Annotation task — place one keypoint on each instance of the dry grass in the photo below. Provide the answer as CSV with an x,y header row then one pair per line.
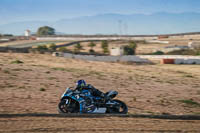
x,y
145,88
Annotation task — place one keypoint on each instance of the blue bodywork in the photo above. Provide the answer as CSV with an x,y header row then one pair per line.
x,y
78,97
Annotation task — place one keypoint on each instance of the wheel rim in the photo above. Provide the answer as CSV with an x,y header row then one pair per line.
x,y
64,107
68,106
121,108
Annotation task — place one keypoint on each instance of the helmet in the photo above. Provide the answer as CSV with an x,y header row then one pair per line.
x,y
80,83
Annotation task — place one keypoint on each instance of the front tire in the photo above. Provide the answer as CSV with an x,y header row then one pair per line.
x,y
68,106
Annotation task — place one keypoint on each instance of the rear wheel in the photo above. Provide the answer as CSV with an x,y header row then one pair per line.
x,y
68,106
119,108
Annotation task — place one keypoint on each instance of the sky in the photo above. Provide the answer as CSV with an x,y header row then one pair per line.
x,y
53,10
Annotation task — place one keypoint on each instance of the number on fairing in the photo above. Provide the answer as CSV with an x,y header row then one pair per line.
x,y
66,101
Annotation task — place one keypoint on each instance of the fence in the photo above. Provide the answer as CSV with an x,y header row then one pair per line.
x,y
178,59
135,59
169,57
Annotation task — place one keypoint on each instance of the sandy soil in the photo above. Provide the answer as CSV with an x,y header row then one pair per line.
x,y
154,89
147,89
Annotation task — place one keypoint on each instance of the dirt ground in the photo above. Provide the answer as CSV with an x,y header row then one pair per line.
x,y
147,48
97,125
36,85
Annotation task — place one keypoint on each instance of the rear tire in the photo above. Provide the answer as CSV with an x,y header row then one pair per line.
x,y
123,109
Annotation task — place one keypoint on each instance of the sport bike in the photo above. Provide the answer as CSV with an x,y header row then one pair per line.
x,y
74,101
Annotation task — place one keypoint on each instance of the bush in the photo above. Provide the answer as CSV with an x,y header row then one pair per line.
x,y
6,71
198,52
132,45
130,49
78,47
91,51
106,50
42,89
17,62
42,48
185,52
158,53
92,44
63,49
52,47
104,44
190,102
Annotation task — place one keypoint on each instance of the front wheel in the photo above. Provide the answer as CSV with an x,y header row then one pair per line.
x,y
119,108
68,106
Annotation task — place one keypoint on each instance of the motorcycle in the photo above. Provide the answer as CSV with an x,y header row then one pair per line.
x,y
74,101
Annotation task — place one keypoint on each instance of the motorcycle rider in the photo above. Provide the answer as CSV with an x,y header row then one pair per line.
x,y
81,85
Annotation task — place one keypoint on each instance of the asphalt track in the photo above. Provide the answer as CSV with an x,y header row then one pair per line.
x,y
30,45
169,117
75,42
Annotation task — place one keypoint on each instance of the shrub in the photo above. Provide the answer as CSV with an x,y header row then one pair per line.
x,y
198,52
17,62
106,50
158,53
132,45
59,68
6,71
185,52
78,47
130,49
42,89
47,72
190,102
92,44
63,49
42,48
52,47
91,51
104,44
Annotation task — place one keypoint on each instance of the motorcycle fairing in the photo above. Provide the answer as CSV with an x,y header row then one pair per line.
x,y
112,94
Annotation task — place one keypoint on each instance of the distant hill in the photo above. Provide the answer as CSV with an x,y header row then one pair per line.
x,y
135,24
